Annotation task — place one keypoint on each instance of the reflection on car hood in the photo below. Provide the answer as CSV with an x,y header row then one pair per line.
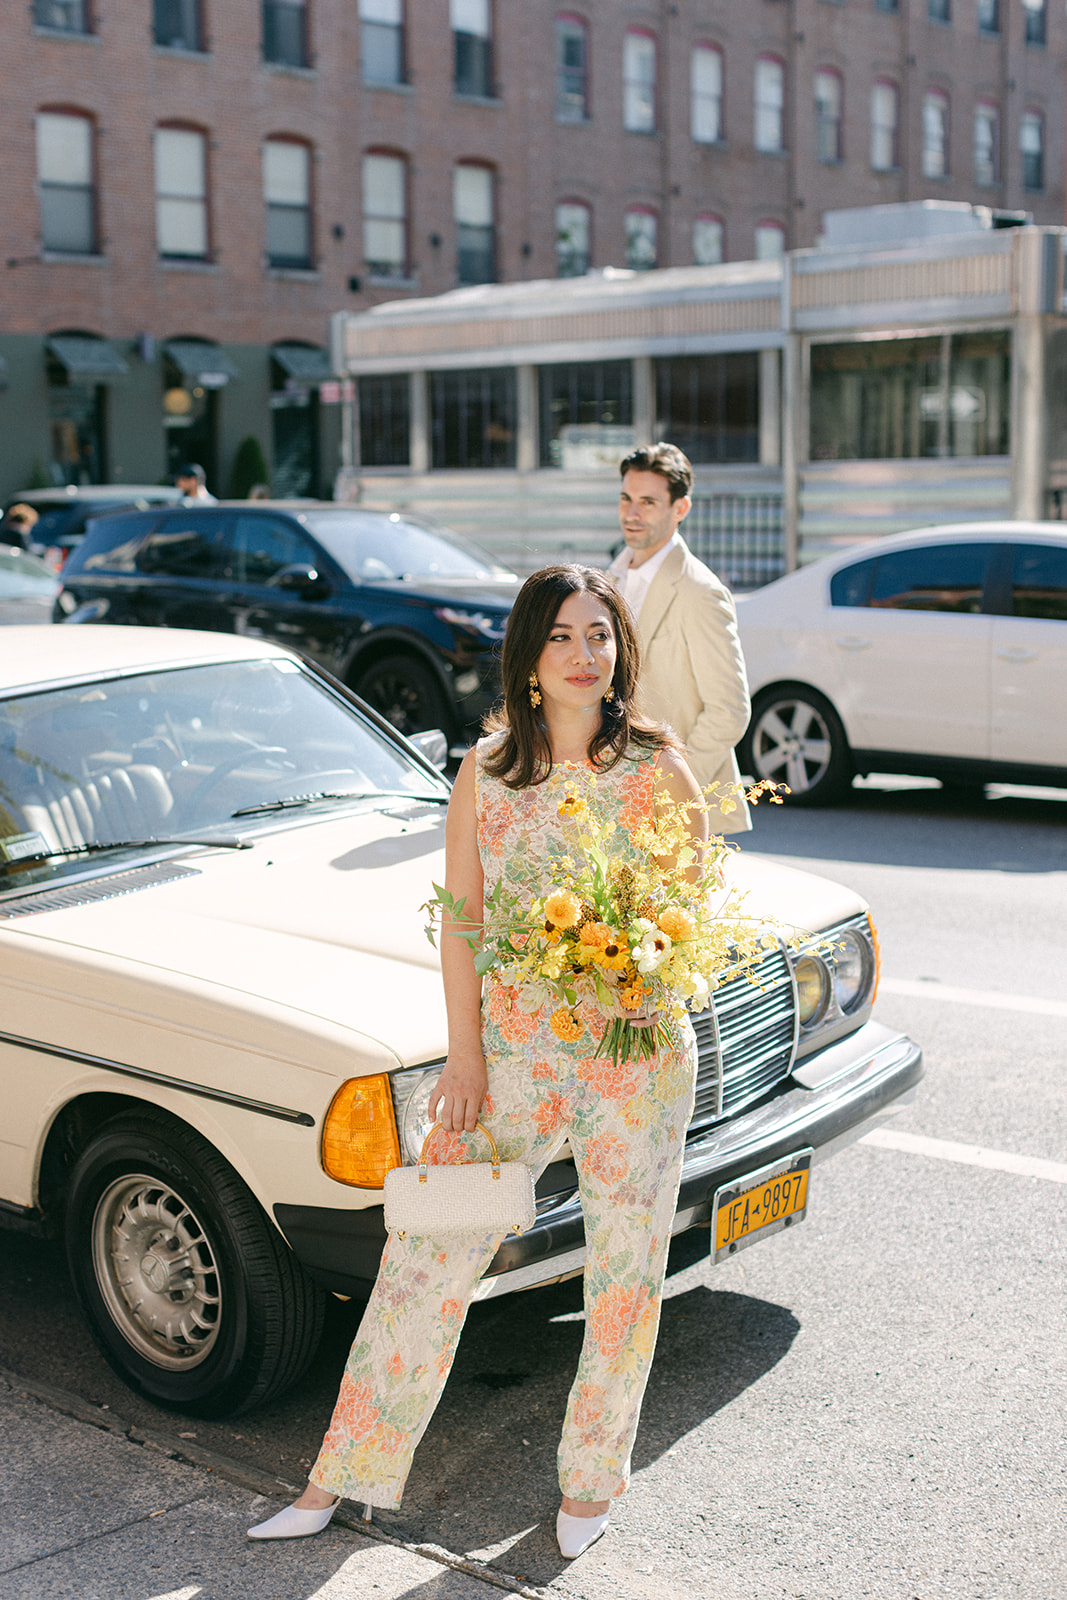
x,y
318,927
496,592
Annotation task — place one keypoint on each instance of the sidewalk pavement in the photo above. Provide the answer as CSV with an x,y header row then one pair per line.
x,y
93,1509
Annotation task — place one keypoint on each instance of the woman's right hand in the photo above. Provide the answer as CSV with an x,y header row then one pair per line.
x,y
460,1092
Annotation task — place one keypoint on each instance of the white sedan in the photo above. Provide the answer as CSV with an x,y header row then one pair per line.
x,y
221,1020
941,652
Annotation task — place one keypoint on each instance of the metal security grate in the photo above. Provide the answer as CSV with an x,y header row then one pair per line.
x,y
746,1039
81,894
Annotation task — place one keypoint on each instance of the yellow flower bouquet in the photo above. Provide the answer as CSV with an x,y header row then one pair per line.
x,y
627,930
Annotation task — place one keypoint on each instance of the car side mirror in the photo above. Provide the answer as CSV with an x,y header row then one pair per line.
x,y
301,579
432,746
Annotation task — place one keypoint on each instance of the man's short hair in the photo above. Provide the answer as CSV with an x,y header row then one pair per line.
x,y
22,513
666,460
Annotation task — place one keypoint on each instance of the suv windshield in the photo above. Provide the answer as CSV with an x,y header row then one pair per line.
x,y
380,548
177,753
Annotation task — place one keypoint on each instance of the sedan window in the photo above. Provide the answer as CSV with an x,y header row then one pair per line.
x,y
940,577
852,585
259,547
1039,582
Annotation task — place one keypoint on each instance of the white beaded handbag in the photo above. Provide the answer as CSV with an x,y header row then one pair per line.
x,y
448,1199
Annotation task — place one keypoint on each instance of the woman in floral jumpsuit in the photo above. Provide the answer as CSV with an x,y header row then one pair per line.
x,y
570,666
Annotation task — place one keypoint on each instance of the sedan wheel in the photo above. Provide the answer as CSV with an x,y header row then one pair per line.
x,y
406,693
795,737
192,1296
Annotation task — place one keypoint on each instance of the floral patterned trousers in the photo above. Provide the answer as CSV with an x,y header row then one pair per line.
x,y
626,1125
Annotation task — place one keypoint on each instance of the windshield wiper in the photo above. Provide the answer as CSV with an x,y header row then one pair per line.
x,y
293,801
99,847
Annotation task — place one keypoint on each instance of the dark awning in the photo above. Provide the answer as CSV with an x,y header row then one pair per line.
x,y
302,362
205,364
85,356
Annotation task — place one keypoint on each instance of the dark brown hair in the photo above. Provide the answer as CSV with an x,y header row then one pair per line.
x,y
666,460
524,756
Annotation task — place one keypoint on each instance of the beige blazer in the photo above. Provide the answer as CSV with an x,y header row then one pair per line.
x,y
693,672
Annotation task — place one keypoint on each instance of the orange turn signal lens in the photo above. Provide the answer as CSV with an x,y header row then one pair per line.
x,y
359,1137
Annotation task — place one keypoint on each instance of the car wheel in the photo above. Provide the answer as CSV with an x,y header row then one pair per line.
x,y
406,692
795,737
192,1296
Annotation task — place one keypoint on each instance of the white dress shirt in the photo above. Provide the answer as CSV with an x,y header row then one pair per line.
x,y
633,582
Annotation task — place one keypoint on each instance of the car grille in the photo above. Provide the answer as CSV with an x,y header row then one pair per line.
x,y
746,1039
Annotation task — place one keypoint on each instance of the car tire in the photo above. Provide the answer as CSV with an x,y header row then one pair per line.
x,y
406,692
191,1294
795,737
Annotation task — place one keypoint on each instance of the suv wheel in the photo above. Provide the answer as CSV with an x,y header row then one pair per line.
x,y
406,692
192,1296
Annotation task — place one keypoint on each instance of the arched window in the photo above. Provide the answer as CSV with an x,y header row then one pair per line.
x,y
639,82
572,70
705,93
385,231
708,236
474,210
986,144
829,115
885,126
935,134
1032,149
65,180
770,241
572,239
642,233
770,104
181,193
287,197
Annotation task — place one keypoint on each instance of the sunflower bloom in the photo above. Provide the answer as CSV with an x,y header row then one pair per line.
x,y
562,910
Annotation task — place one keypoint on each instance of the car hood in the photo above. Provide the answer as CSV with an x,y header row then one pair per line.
x,y
317,930
496,592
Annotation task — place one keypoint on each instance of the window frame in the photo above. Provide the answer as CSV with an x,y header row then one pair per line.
x,y
90,189
587,210
579,28
399,30
936,100
989,112
836,122
763,107
473,79
289,263
891,88
636,87
88,18
719,222
204,198
639,209
1034,118
196,31
491,228
768,227
268,10
704,49
988,19
1035,24
385,153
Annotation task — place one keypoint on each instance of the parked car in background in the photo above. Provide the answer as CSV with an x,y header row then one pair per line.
x,y
222,1021
407,614
941,652
28,587
63,512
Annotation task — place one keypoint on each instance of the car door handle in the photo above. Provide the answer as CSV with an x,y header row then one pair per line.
x,y
852,641
1016,653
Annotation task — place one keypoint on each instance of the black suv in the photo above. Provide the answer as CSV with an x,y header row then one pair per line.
x,y
409,615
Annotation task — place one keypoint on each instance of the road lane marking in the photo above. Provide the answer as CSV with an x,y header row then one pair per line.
x,y
973,997
972,1155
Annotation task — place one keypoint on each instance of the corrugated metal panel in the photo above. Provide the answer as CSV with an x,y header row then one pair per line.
x,y
845,502
954,277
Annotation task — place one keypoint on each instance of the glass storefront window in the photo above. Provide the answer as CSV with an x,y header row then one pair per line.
x,y
472,417
709,405
76,418
586,413
385,420
898,399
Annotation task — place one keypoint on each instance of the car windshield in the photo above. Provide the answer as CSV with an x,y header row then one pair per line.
x,y
21,574
189,752
385,548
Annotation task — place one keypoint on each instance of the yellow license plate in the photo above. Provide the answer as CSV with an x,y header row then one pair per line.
x,y
759,1204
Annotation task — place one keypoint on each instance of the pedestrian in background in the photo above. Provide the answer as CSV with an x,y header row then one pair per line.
x,y
693,672
18,526
192,481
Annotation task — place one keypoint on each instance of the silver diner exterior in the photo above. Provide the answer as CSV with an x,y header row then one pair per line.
x,y
829,397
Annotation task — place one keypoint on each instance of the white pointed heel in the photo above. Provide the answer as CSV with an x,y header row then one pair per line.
x,y
574,1535
293,1524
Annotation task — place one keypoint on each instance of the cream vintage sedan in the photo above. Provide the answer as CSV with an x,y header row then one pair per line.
x,y
221,1020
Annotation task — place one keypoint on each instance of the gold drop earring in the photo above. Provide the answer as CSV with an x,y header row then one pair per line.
x,y
609,692
535,691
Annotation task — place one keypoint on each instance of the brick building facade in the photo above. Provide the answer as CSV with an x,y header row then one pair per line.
x,y
193,187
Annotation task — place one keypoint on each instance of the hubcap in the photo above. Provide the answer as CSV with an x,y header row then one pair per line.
x,y
156,1271
792,745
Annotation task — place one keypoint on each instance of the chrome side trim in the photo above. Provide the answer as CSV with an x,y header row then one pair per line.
x,y
263,1108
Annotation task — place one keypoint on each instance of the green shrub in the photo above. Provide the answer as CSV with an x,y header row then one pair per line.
x,y
249,467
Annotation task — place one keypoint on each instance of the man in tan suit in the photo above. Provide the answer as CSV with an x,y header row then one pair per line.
x,y
693,672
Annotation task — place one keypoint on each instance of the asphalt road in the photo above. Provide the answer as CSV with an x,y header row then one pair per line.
x,y
870,1405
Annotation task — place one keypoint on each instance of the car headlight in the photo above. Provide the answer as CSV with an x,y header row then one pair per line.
x,y
813,989
359,1137
473,621
411,1098
853,969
